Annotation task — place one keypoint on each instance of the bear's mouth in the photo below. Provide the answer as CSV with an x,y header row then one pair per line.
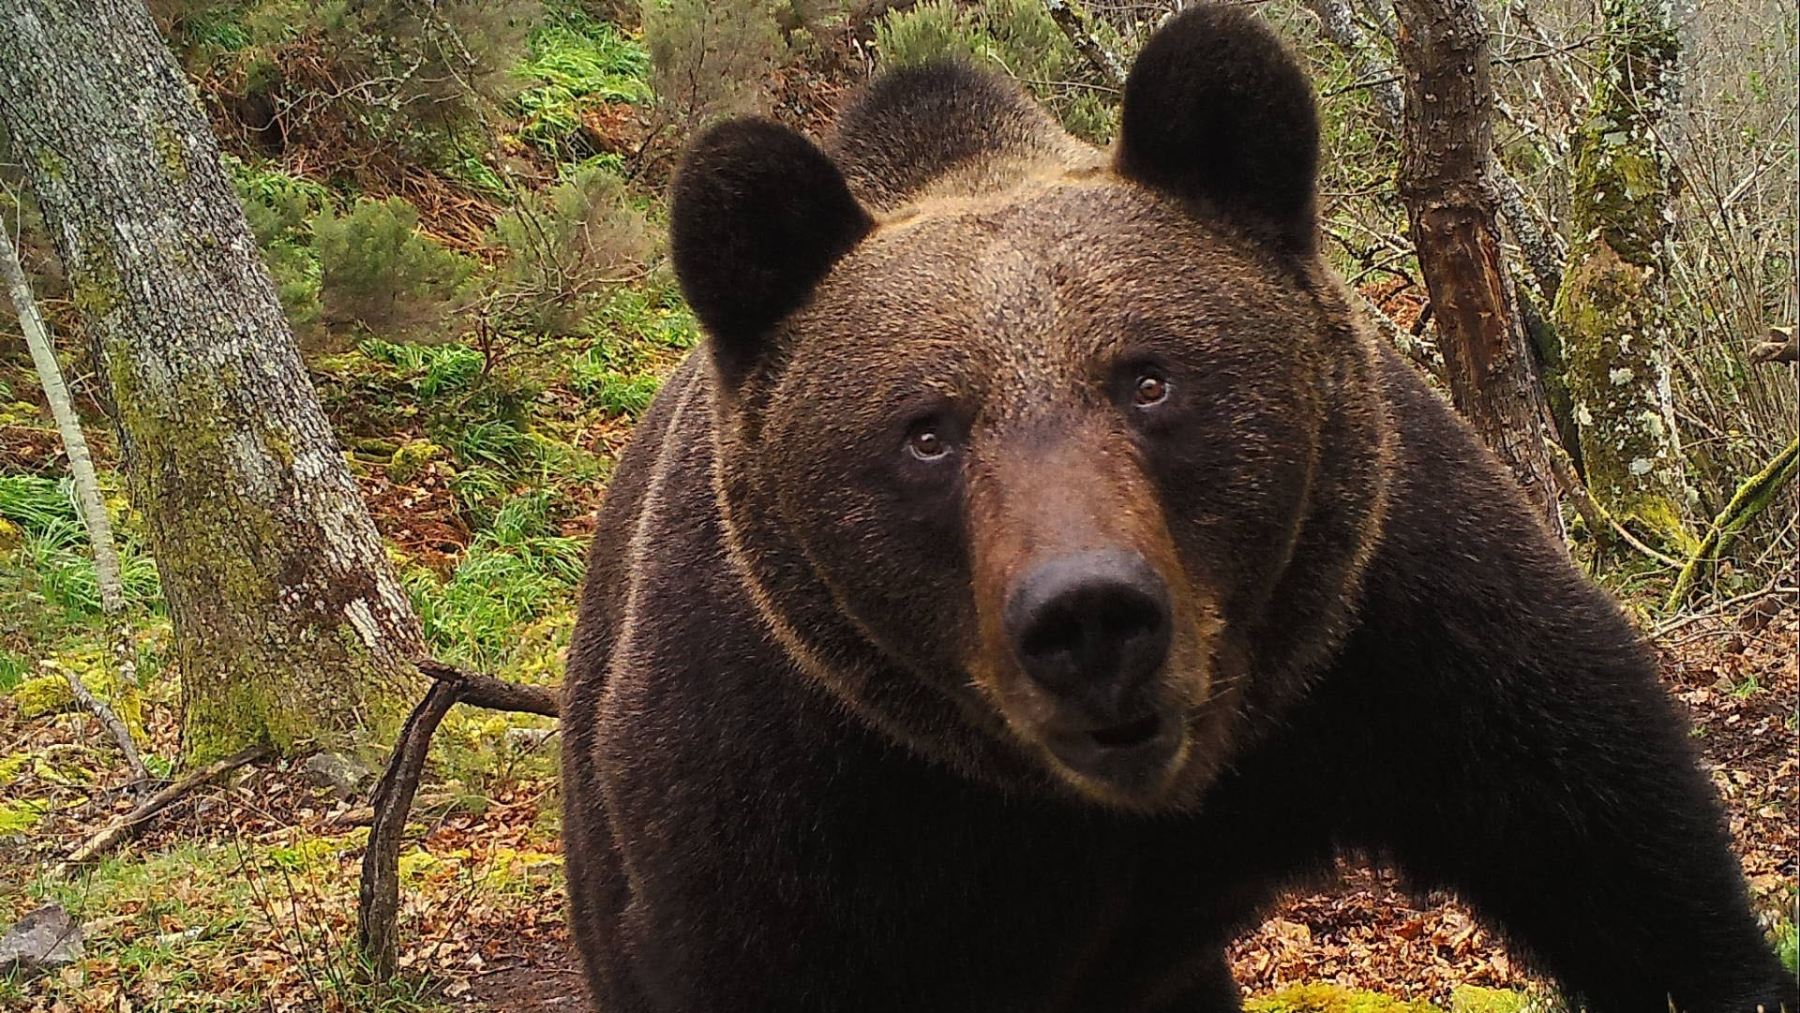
x,y
1131,733
1130,758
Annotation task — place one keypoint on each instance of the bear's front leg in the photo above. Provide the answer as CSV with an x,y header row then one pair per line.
x,y
1550,783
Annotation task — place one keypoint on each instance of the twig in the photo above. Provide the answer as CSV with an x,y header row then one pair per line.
x,y
1671,625
1074,23
120,734
378,897
129,824
1599,521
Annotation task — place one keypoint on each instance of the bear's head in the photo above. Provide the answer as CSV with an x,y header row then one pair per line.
x,y
1054,463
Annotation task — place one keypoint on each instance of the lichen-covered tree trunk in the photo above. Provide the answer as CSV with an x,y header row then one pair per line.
x,y
1612,310
1446,160
289,622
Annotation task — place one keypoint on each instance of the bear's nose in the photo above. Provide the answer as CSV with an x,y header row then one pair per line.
x,y
1091,625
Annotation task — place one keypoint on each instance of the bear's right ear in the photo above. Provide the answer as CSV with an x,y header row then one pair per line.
x,y
1217,110
759,214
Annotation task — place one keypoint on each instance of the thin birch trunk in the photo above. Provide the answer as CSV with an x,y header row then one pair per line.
x,y
87,498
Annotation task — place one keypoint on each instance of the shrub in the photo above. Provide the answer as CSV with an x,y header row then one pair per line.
x,y
280,210
711,59
564,248
377,271
360,85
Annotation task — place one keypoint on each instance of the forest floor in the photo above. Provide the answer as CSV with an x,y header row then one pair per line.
x,y
482,456
243,895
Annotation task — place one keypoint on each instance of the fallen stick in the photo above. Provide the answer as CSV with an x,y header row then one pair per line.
x,y
495,694
120,734
378,896
128,825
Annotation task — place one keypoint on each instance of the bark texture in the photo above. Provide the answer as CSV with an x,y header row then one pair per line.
x,y
289,623
1612,311
1445,182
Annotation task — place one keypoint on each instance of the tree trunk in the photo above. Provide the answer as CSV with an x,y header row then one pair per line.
x,y
289,623
1613,311
1444,180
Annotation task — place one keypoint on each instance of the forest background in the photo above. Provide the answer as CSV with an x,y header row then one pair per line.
x,y
461,207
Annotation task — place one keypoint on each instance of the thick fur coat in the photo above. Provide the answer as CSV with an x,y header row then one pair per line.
x,y
1041,569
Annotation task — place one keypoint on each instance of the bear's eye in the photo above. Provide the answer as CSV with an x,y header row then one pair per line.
x,y
1151,389
925,444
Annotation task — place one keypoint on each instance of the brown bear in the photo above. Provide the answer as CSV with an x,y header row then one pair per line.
x,y
1042,568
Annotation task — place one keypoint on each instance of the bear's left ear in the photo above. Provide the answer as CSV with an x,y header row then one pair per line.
x,y
758,216
1218,111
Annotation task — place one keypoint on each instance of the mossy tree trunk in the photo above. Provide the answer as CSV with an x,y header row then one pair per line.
x,y
289,623
1612,310
1445,181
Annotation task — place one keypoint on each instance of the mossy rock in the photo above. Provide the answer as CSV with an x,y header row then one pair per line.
x,y
411,458
41,695
1323,998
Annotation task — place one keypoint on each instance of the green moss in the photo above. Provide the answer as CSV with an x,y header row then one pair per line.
x,y
1473,999
19,817
1613,326
411,459
11,765
1322,998
41,695
170,151
50,164
96,278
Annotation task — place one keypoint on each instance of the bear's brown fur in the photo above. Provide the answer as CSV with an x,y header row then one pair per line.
x,y
1044,569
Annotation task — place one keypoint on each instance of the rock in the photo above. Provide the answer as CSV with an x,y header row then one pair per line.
x,y
344,776
42,941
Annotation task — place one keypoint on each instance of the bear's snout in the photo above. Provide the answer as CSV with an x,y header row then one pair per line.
x,y
1092,628
1092,632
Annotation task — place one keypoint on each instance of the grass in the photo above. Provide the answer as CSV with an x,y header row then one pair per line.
x,y
170,930
428,370
51,558
514,573
576,63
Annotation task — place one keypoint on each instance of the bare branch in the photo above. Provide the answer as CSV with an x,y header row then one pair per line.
x,y
1074,23
1339,25
114,727
378,898
81,463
